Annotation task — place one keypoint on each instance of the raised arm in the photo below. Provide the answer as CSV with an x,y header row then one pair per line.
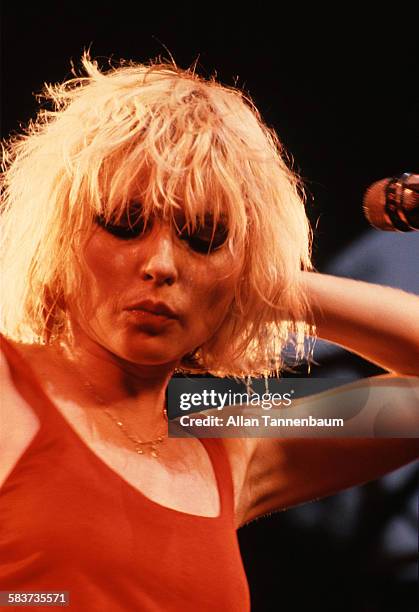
x,y
382,325
379,323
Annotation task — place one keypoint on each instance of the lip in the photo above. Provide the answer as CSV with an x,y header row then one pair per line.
x,y
159,309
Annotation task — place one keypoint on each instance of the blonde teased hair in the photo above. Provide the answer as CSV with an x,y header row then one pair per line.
x,y
174,139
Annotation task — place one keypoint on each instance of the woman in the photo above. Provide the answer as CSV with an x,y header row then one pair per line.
x,y
152,225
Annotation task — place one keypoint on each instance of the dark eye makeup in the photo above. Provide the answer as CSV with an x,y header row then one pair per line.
x,y
205,238
130,225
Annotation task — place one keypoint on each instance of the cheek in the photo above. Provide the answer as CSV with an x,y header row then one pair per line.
x,y
107,265
221,294
102,276
103,265
216,290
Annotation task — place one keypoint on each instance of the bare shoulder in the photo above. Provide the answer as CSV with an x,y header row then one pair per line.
x,y
13,406
18,422
32,355
27,351
39,358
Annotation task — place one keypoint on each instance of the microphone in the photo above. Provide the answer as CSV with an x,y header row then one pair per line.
x,y
392,204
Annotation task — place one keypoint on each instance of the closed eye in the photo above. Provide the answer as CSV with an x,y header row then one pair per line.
x,y
131,224
204,238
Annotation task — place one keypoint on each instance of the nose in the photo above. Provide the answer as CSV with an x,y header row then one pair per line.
x,y
158,264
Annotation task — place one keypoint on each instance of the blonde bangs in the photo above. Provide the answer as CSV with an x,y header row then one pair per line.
x,y
169,158
169,140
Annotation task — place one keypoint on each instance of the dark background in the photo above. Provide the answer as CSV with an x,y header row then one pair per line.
x,y
339,90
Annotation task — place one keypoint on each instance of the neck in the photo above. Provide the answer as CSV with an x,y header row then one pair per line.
x,y
131,390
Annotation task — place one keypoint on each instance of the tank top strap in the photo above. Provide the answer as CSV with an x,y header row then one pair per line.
x,y
221,465
26,382
33,393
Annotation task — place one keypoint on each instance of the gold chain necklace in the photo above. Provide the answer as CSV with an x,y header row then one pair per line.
x,y
140,445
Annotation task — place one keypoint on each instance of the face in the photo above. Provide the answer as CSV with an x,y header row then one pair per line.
x,y
151,292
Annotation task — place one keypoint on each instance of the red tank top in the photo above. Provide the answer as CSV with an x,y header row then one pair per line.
x,y
68,522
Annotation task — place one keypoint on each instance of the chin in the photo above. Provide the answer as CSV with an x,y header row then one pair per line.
x,y
144,353
157,360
